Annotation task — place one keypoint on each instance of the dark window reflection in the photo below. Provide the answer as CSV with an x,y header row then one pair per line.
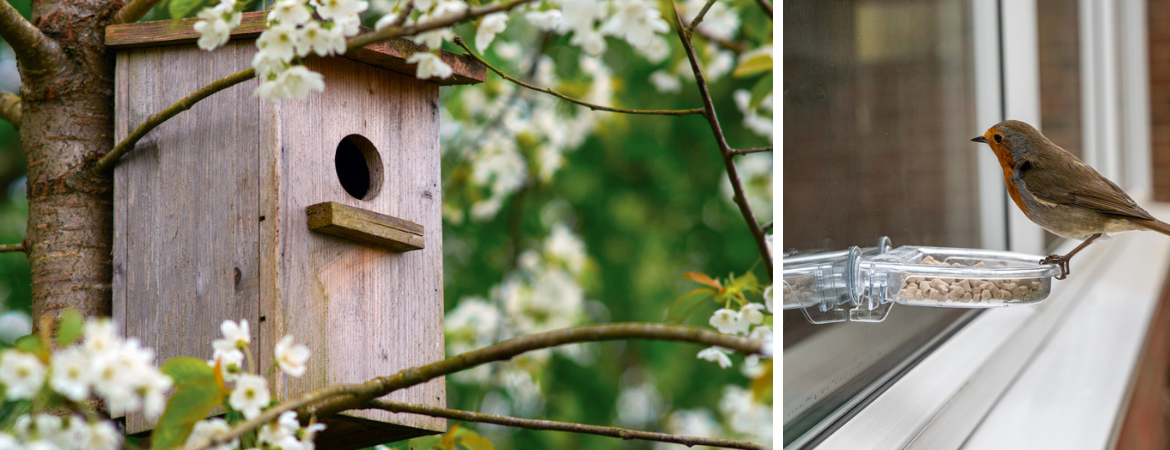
x,y
879,109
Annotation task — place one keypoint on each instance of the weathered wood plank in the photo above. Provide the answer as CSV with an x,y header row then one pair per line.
x,y
364,311
365,226
390,54
192,193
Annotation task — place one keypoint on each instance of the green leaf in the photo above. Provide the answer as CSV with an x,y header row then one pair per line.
x,y
186,368
760,90
191,402
757,63
30,344
475,442
702,278
687,304
69,327
180,8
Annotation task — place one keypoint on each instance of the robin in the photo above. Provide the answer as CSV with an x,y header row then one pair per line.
x,y
1059,192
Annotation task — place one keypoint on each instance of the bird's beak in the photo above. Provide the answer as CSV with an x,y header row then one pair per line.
x,y
979,139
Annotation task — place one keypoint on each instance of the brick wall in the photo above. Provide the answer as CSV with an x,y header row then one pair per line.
x,y
1159,47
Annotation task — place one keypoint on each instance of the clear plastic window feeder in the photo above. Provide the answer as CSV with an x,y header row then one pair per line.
x,y
861,285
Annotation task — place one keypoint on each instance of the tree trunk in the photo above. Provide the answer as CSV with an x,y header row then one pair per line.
x,y
68,122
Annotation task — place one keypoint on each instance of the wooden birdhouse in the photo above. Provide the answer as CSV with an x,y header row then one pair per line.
x,y
318,219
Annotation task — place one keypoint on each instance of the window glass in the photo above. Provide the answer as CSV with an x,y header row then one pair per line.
x,y
1060,79
879,111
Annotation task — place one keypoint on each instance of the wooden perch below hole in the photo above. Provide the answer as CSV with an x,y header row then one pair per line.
x,y
365,226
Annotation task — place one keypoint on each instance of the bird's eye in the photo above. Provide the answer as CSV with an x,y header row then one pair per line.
x,y
998,139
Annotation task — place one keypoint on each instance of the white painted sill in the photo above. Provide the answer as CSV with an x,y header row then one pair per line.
x,y
1053,375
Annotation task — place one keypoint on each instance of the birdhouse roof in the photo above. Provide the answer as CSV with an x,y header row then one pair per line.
x,y
389,54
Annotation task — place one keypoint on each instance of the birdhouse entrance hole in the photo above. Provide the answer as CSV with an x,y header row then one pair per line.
x,y
359,167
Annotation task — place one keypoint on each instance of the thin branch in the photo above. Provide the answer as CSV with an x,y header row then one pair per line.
x,y
699,17
133,11
726,150
660,112
767,7
551,425
35,51
8,248
107,162
10,108
751,150
331,400
727,44
767,226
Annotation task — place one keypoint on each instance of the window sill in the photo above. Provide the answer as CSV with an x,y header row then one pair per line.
x,y
1052,375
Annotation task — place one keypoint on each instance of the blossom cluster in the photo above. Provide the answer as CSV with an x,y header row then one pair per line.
x,y
296,29
118,371
748,321
250,394
742,415
542,294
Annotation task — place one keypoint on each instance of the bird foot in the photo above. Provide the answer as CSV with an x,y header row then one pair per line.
x,y
1060,261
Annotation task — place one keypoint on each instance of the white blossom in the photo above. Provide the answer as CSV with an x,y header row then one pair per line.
x,y
489,26
433,40
636,21
100,435
282,432
279,41
14,324
250,395
563,246
206,430
349,25
154,398
726,321
298,81
291,358
331,9
768,297
750,314
665,82
266,65
215,25
657,50
386,21
429,66
290,12
231,362
100,336
720,22
716,354
70,373
545,20
21,374
719,64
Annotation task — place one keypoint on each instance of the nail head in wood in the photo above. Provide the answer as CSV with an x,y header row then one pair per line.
x,y
365,226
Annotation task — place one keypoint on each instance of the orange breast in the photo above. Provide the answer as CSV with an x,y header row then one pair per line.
x,y
1008,163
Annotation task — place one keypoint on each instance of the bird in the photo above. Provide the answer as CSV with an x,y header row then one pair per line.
x,y
1061,193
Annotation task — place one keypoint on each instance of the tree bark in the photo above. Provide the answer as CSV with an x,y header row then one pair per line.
x,y
67,121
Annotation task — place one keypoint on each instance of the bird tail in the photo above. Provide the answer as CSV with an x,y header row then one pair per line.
x,y
1156,225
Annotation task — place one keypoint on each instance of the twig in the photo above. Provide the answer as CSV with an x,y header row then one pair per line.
x,y
8,248
732,46
699,18
767,226
133,11
107,162
660,112
551,425
35,51
331,400
724,149
751,150
767,7
10,108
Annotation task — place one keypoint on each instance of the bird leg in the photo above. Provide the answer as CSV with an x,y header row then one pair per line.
x,y
1062,261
